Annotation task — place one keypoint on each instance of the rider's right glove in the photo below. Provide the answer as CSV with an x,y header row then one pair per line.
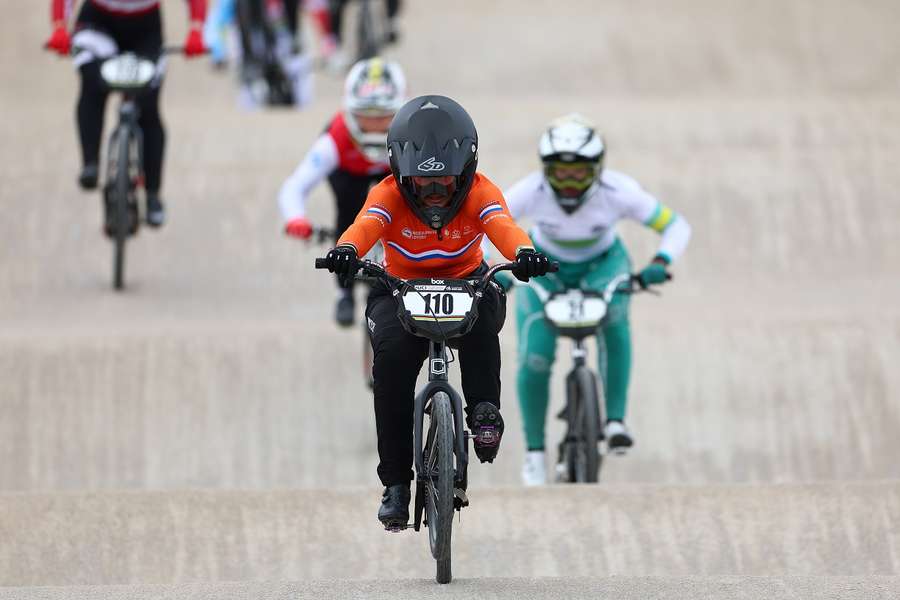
x,y
530,264
59,41
342,260
299,227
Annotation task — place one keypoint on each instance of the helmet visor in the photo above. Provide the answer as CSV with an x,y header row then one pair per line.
x,y
434,192
570,179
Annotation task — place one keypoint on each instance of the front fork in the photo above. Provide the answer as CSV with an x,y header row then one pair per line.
x,y
438,382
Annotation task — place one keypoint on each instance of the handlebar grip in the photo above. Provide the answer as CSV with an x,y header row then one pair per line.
x,y
554,267
322,263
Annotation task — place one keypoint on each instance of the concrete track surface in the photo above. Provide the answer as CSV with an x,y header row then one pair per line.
x,y
210,423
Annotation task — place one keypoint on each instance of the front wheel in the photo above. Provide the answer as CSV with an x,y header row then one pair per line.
x,y
120,205
582,448
438,454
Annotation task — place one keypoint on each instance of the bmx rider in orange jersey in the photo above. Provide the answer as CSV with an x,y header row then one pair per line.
x,y
431,214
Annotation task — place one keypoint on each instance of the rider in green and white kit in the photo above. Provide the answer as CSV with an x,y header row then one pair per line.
x,y
574,204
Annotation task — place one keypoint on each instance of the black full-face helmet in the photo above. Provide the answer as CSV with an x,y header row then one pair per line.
x,y
433,136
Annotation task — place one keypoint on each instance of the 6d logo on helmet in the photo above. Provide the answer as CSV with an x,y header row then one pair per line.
x,y
430,165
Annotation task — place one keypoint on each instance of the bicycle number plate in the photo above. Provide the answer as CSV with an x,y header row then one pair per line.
x,y
575,309
128,71
438,300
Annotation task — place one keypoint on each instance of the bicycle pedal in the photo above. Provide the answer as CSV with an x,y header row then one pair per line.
x,y
396,527
460,500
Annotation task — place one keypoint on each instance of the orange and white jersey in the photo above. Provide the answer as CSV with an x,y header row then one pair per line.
x,y
414,250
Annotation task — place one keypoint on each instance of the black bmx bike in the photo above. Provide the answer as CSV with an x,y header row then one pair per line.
x,y
131,75
578,314
437,310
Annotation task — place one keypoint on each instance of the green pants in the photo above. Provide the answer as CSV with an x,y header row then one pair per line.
x,y
537,340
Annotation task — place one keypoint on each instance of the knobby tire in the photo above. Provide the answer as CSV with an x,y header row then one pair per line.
x,y
121,189
439,488
582,448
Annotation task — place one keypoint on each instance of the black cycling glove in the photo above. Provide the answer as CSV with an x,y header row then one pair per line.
x,y
530,264
343,261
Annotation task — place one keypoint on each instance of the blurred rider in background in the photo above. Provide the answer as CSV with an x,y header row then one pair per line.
x,y
431,214
575,203
351,153
335,25
102,29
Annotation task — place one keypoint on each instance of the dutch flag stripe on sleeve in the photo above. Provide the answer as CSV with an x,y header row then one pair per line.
x,y
489,209
381,212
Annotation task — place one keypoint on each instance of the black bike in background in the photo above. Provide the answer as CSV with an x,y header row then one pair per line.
x,y
131,75
437,310
578,315
266,44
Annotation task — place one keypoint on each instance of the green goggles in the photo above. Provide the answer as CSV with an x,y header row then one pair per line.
x,y
573,175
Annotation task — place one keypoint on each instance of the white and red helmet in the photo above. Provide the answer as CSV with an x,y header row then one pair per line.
x,y
377,88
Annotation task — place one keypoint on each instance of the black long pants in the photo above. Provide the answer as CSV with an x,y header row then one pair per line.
x,y
350,193
337,13
143,35
398,358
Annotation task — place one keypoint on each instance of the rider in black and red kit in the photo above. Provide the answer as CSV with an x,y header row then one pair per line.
x,y
102,29
351,153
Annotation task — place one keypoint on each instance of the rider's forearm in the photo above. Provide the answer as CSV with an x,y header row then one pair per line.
x,y
59,11
197,11
507,237
362,234
318,163
675,238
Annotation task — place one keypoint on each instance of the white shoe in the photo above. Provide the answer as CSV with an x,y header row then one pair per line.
x,y
534,469
618,438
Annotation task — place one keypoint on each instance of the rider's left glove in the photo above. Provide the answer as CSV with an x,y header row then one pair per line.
x,y
193,43
59,41
530,264
342,260
654,273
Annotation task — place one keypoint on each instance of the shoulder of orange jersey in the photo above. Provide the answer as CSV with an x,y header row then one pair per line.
x,y
384,201
485,200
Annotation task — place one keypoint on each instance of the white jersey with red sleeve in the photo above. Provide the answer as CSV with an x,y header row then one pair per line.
x,y
333,150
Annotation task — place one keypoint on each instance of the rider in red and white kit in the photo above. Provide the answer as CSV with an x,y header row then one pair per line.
x,y
351,153
102,29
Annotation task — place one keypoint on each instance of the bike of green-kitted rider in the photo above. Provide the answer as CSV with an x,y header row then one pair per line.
x,y
578,315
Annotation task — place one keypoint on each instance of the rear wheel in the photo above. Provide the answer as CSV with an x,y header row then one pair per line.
x,y
439,484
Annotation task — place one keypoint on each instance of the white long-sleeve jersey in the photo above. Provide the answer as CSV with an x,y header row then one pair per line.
x,y
318,163
590,230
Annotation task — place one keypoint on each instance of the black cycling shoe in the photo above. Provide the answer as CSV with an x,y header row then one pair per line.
x,y
487,427
343,312
156,211
394,511
87,179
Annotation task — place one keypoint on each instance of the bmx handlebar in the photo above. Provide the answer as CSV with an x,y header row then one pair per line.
x,y
378,272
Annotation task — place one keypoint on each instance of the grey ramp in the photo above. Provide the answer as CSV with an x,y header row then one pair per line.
x,y
249,405
204,536
548,588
